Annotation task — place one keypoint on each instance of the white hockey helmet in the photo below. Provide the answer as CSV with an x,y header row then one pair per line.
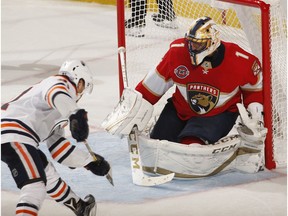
x,y
76,70
202,39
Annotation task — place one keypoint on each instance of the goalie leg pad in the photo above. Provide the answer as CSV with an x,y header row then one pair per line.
x,y
132,109
195,160
249,162
188,161
139,178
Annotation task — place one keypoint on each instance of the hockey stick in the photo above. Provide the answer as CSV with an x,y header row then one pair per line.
x,y
61,124
138,176
109,174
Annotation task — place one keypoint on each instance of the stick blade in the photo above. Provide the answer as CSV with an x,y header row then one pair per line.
x,y
145,180
109,177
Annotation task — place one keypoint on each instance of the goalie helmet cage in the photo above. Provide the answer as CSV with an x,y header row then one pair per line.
x,y
259,27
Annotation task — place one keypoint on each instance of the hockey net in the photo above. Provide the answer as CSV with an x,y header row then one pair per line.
x,y
259,27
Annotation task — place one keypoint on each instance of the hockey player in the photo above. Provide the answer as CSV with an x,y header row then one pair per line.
x,y
215,81
211,77
37,115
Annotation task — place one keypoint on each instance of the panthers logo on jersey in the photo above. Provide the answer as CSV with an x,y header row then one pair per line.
x,y
202,98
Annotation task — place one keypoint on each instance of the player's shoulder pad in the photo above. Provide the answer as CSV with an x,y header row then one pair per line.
x,y
55,85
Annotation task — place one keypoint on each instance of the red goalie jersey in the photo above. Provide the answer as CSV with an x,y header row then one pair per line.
x,y
205,90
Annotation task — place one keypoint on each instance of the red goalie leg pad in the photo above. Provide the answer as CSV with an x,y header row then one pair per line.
x,y
191,140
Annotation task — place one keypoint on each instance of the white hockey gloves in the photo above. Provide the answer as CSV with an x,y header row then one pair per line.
x,y
132,109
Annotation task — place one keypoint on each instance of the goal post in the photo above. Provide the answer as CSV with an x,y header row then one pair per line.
x,y
121,38
258,26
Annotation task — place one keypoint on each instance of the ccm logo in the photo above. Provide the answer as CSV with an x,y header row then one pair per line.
x,y
135,156
226,148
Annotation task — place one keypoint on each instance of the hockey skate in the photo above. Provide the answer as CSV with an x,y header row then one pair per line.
x,y
164,21
86,207
134,27
135,22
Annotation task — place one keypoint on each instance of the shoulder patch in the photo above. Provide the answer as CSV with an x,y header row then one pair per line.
x,y
181,72
256,68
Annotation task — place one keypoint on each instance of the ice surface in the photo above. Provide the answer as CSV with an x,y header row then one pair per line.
x,y
37,36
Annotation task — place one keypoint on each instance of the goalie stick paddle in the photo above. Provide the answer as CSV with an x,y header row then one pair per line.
x,y
109,174
138,176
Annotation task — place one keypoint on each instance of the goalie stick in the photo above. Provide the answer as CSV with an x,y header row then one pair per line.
x,y
138,176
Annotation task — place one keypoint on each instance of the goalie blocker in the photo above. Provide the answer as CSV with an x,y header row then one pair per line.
x,y
132,109
131,115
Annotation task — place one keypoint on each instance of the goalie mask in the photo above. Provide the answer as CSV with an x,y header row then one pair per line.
x,y
202,39
77,70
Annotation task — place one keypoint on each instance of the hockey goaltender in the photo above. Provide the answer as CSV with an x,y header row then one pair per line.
x,y
212,123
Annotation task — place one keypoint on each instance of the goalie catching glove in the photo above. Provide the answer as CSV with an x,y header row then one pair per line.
x,y
79,125
98,167
251,128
